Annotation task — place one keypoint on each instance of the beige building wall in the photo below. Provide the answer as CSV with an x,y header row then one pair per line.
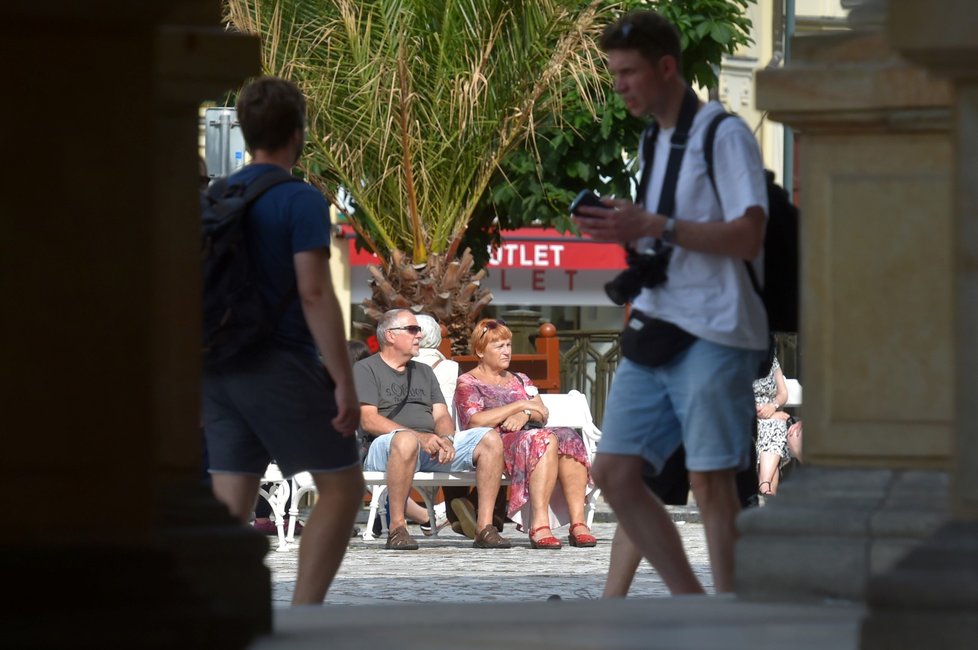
x,y
737,88
341,271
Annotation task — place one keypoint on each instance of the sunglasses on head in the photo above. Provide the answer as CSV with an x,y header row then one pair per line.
x,y
491,325
623,34
413,329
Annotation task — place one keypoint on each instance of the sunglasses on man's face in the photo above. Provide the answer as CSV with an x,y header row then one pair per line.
x,y
413,329
491,325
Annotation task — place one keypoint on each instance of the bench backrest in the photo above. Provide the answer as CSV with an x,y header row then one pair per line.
x,y
572,410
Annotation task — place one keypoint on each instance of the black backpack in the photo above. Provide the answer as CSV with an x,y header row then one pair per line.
x,y
236,317
780,292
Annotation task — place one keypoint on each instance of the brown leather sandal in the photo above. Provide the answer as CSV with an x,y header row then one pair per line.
x,y
549,542
585,540
400,539
489,537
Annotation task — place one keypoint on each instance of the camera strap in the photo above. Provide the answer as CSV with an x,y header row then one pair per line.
x,y
677,148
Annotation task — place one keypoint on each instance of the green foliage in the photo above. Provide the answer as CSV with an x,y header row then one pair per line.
x,y
413,103
537,181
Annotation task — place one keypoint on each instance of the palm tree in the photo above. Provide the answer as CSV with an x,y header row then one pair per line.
x,y
413,103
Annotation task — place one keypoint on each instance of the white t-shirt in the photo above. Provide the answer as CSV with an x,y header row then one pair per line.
x,y
710,295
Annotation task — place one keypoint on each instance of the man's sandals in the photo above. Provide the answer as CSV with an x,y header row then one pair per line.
x,y
585,540
400,540
489,537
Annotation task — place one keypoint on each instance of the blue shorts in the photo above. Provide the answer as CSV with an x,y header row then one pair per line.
x,y
276,404
703,399
464,442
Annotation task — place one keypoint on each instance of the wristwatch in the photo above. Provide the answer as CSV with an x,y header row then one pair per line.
x,y
669,232
528,412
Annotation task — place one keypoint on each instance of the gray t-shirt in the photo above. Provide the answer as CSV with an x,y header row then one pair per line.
x,y
380,385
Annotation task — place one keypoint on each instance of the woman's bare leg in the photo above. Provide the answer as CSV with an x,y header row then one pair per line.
x,y
794,441
542,481
767,472
573,480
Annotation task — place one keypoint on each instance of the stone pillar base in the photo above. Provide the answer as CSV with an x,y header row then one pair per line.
x,y
200,583
930,598
86,596
830,529
221,558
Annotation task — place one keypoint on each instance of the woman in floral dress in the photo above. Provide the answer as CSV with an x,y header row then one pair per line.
x,y
548,467
770,394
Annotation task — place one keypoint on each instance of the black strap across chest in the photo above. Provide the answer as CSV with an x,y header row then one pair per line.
x,y
677,148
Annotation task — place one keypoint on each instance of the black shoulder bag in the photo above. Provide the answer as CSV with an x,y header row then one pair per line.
x,y
652,341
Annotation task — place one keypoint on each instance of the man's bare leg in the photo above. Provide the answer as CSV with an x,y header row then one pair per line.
x,y
488,461
645,520
237,491
622,566
401,464
716,496
327,533
415,512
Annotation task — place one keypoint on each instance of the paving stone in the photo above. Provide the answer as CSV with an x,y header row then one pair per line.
x,y
447,569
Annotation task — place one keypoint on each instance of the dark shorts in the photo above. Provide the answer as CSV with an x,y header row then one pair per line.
x,y
273,404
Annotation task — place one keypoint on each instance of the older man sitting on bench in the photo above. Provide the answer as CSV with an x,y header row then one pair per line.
x,y
402,407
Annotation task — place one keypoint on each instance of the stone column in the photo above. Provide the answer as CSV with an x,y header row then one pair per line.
x,y
877,318
930,599
110,539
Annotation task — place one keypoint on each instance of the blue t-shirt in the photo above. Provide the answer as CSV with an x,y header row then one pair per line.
x,y
289,218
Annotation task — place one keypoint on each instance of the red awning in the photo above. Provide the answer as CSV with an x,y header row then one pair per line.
x,y
533,248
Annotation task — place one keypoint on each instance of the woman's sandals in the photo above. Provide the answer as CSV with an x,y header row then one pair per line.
x,y
585,540
550,542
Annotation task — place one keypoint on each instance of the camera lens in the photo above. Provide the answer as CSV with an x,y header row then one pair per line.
x,y
644,270
625,286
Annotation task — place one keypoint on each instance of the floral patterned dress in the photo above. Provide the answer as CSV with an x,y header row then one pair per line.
x,y
523,449
772,433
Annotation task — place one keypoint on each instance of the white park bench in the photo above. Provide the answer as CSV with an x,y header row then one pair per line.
x,y
566,410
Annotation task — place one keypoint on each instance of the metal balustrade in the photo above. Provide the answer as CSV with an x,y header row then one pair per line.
x,y
588,359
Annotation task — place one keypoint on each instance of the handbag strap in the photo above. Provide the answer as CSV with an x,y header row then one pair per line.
x,y
407,393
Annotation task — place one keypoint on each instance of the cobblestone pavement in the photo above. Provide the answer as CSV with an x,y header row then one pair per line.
x,y
447,569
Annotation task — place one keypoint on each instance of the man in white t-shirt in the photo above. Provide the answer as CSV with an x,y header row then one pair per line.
x,y
698,336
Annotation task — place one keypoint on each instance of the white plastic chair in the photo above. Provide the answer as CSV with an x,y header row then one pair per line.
x,y
277,495
572,410
302,484
794,392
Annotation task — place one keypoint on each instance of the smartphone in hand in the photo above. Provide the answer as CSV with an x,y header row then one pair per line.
x,y
585,197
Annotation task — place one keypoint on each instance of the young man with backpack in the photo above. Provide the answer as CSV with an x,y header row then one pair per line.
x,y
697,332
266,392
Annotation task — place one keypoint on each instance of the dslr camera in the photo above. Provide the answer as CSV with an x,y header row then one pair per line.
x,y
646,269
